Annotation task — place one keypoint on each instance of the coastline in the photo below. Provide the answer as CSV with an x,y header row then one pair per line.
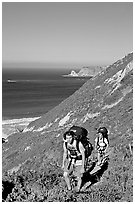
x,y
23,101
11,126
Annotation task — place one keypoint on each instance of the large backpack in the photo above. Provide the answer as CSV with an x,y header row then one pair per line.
x,y
80,134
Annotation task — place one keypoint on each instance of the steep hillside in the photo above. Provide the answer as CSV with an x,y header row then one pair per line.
x,y
32,159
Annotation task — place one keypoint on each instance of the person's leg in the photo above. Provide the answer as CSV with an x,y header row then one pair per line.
x,y
79,175
68,170
79,182
67,180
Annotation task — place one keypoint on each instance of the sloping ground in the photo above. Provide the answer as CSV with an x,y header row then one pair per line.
x,y
32,159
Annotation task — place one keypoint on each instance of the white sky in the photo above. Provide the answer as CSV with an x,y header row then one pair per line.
x,y
66,33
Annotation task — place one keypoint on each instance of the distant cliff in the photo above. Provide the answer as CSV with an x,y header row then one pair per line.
x,y
85,72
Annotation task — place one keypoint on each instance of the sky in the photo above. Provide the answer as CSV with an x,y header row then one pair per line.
x,y
65,34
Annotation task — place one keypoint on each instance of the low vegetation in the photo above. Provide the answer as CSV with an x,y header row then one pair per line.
x,y
111,184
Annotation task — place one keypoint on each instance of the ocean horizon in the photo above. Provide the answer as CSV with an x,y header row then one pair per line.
x,y
27,96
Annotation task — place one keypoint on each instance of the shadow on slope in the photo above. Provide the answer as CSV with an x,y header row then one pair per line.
x,y
7,188
90,179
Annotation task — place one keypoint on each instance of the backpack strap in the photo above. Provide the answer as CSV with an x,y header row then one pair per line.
x,y
66,145
77,145
98,146
98,140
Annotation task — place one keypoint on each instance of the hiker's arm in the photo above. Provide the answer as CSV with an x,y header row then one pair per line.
x,y
82,151
64,155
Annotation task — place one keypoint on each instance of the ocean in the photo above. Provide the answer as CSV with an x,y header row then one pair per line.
x,y
27,95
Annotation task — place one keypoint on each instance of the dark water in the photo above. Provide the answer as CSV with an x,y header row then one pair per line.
x,y
31,94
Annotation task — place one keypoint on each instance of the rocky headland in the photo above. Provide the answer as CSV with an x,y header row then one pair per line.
x,y
85,72
31,159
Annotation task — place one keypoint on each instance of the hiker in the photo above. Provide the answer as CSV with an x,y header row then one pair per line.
x,y
101,144
74,156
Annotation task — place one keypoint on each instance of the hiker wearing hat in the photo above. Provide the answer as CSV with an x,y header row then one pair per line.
x,y
101,144
75,154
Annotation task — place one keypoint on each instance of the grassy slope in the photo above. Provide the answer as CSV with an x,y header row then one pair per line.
x,y
33,158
